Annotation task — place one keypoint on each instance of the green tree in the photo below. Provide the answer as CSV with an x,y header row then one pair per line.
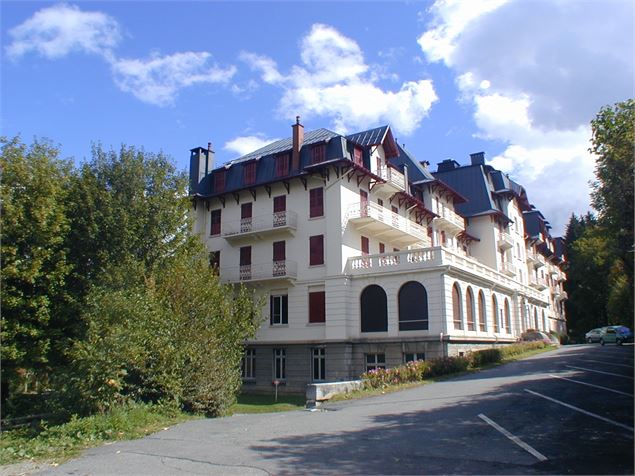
x,y
34,267
613,194
177,337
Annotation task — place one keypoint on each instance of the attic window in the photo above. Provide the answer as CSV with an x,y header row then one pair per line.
x,y
249,174
282,165
219,181
357,156
318,153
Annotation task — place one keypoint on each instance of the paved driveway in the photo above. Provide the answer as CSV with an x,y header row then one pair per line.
x,y
568,411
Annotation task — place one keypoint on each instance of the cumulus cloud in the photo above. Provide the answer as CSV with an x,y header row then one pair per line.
x,y
334,81
158,79
56,31
60,30
535,74
245,144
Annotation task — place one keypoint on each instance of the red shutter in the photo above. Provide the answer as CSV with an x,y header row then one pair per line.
x,y
317,306
249,171
357,156
318,153
316,202
279,251
382,248
245,210
282,165
245,256
365,245
280,204
219,181
316,250
215,220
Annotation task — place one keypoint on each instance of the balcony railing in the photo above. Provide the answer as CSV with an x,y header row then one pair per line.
x,y
538,283
448,219
508,268
385,223
505,240
540,261
286,221
428,258
271,271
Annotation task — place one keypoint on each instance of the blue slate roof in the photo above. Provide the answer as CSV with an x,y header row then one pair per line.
x,y
535,223
471,182
416,172
369,137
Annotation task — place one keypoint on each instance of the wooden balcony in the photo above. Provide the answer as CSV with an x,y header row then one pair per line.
x,y
271,224
394,181
385,225
284,270
450,221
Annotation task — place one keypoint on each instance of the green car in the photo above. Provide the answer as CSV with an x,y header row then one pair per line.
x,y
616,335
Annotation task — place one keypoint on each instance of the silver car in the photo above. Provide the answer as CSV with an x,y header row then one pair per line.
x,y
593,335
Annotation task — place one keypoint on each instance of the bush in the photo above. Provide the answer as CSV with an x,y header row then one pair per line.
x,y
423,369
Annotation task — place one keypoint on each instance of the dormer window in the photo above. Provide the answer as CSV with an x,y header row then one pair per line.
x,y
249,173
318,153
357,155
219,181
282,165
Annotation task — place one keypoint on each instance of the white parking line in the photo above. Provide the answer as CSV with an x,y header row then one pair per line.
x,y
592,385
626,427
599,372
515,439
607,363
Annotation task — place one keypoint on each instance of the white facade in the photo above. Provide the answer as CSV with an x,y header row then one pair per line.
x,y
375,232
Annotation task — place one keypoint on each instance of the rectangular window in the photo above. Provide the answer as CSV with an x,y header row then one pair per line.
x,y
245,263
318,153
279,251
316,250
279,364
382,248
214,260
245,217
282,165
365,246
215,222
318,364
248,365
316,202
317,306
280,204
375,361
358,156
414,356
219,181
249,173
278,310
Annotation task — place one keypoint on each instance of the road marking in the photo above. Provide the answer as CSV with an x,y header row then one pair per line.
x,y
599,372
591,385
626,427
515,439
607,363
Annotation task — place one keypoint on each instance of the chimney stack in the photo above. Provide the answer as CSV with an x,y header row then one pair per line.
x,y
298,139
478,158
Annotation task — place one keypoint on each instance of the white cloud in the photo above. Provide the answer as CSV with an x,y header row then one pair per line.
x,y
334,81
536,73
158,79
56,31
245,144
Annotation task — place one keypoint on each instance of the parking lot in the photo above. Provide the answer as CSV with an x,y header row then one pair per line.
x,y
569,411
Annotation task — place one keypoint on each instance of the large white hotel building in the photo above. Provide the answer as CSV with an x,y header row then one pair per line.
x,y
367,258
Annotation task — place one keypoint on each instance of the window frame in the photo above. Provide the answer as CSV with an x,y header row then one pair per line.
x,y
279,355
318,355
249,172
376,363
316,202
215,226
282,317
315,258
248,365
320,297
416,356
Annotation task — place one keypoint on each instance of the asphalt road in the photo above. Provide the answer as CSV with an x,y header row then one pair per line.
x,y
568,411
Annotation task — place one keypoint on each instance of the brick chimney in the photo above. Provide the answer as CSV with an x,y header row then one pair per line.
x,y
210,158
298,139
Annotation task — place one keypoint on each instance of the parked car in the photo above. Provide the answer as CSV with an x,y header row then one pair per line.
x,y
616,334
593,335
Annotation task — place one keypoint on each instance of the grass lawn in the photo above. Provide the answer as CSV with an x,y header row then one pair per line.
x,y
266,404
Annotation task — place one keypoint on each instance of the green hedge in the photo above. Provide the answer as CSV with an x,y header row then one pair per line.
x,y
425,369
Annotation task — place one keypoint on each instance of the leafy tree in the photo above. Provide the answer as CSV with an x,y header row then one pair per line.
x,y
34,267
613,191
177,337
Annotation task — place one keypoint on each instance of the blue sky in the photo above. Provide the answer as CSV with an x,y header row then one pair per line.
x,y
518,79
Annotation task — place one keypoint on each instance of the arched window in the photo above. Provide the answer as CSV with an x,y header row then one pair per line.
x,y
508,326
536,319
481,312
497,327
456,307
374,309
469,304
413,307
